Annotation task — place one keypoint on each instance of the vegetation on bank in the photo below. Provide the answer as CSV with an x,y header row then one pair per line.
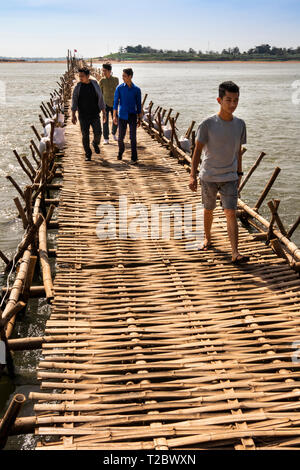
x,y
263,52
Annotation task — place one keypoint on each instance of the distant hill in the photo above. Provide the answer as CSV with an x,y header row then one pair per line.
x,y
263,52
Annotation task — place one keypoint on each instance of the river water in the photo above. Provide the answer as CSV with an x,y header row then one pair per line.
x,y
268,104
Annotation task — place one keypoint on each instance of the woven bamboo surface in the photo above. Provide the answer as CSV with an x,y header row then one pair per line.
x,y
153,346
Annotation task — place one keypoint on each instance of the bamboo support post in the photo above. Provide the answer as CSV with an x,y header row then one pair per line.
x,y
23,166
10,178
9,418
21,212
4,258
190,129
144,100
274,210
11,312
35,148
36,132
44,112
168,115
267,189
294,250
33,156
251,171
27,241
29,166
174,134
50,213
293,228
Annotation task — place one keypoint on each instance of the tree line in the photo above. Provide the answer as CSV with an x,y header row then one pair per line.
x,y
262,50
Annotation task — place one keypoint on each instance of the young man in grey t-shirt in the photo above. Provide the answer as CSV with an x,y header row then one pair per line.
x,y
221,136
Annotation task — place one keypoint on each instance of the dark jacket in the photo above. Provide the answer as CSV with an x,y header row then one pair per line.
x,y
76,91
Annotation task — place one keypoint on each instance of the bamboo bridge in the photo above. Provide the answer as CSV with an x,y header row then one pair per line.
x,y
150,345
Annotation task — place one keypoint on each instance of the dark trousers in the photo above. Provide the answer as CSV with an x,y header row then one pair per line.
x,y
85,123
109,110
132,121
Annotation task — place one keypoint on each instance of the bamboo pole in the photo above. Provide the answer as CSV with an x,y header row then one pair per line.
x,y
251,171
10,178
294,250
267,189
9,418
293,228
21,212
36,133
22,165
44,262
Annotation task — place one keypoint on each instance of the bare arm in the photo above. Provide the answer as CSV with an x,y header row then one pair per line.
x,y
196,159
239,169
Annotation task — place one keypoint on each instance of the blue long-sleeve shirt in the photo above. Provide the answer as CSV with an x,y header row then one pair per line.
x,y
128,100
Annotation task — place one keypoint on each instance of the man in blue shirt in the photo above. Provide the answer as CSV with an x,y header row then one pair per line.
x,y
128,99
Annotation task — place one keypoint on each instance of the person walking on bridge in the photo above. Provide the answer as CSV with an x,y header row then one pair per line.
x,y
88,100
108,85
221,136
128,100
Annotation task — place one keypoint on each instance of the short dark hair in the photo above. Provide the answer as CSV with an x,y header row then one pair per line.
x,y
229,86
128,72
107,67
84,70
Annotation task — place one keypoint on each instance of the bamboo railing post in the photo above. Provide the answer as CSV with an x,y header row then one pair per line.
x,y
35,148
4,258
9,418
251,171
267,189
21,212
168,115
273,208
23,166
293,228
150,117
173,121
144,100
10,178
277,218
190,129
44,112
159,125
36,132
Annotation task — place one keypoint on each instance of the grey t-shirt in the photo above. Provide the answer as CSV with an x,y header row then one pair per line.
x,y
222,141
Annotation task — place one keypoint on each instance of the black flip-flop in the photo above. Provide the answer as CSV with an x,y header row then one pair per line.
x,y
243,259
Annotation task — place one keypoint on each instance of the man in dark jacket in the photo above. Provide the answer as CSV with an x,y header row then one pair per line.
x,y
87,99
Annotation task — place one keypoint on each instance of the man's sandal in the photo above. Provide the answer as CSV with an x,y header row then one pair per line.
x,y
242,259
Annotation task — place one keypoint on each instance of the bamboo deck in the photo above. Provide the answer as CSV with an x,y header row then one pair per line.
x,y
152,346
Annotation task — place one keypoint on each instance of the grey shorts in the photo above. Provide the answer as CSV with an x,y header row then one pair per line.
x,y
228,191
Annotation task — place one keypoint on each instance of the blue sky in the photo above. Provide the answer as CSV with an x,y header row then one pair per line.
x,y
96,27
